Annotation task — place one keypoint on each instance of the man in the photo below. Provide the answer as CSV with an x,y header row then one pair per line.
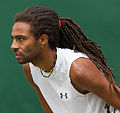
x,y
67,70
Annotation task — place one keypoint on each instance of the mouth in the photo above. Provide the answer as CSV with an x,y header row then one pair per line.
x,y
17,55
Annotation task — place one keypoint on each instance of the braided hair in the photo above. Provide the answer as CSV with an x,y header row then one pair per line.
x,y
70,35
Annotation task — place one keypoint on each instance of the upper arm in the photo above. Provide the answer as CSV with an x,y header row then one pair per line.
x,y
86,76
27,72
28,75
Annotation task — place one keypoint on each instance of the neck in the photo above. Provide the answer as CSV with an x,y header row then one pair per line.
x,y
47,60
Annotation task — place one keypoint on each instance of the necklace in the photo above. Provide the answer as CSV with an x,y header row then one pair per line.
x,y
53,66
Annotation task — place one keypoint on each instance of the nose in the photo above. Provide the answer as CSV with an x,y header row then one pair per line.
x,y
14,45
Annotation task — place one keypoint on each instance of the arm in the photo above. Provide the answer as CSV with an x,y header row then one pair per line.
x,y
28,75
85,75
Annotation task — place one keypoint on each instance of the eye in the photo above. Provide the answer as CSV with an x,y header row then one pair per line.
x,y
20,39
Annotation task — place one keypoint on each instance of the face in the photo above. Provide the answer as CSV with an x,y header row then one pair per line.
x,y
24,45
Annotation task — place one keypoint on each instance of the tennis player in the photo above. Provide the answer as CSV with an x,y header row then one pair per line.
x,y
67,70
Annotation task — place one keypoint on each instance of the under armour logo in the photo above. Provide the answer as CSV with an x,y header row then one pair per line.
x,y
63,95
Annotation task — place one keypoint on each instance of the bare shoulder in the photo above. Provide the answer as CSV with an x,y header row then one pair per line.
x,y
85,72
27,72
83,66
26,67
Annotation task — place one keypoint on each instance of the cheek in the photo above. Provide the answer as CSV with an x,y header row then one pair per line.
x,y
31,49
28,49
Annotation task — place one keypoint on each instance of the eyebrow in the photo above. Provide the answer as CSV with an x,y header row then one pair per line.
x,y
17,36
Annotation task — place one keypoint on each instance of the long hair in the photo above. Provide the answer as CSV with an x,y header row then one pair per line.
x,y
45,21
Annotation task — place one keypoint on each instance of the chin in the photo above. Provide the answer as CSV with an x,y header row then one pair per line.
x,y
22,62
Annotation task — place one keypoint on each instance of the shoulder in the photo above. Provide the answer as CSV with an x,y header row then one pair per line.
x,y
27,72
26,66
70,54
83,66
26,69
85,73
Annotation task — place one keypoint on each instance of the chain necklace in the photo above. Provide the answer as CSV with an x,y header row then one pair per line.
x,y
50,72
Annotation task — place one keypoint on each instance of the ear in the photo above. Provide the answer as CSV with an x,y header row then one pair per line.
x,y
43,39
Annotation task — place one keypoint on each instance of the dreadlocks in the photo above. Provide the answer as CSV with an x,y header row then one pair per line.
x,y
45,21
72,36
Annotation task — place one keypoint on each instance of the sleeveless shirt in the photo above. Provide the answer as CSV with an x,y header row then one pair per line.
x,y
58,90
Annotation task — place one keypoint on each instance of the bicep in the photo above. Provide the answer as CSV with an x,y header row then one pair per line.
x,y
86,76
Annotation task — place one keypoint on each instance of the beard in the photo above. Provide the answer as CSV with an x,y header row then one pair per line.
x,y
29,54
26,58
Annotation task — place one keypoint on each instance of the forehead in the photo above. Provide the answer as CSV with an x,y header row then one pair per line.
x,y
21,28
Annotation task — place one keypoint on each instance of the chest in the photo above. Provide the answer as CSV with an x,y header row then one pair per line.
x,y
59,85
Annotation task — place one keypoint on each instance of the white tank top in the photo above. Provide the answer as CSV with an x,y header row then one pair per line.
x,y
58,90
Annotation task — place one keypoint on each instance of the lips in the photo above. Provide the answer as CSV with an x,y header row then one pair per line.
x,y
17,55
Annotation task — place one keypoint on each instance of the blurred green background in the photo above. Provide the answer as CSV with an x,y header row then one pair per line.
x,y
100,20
